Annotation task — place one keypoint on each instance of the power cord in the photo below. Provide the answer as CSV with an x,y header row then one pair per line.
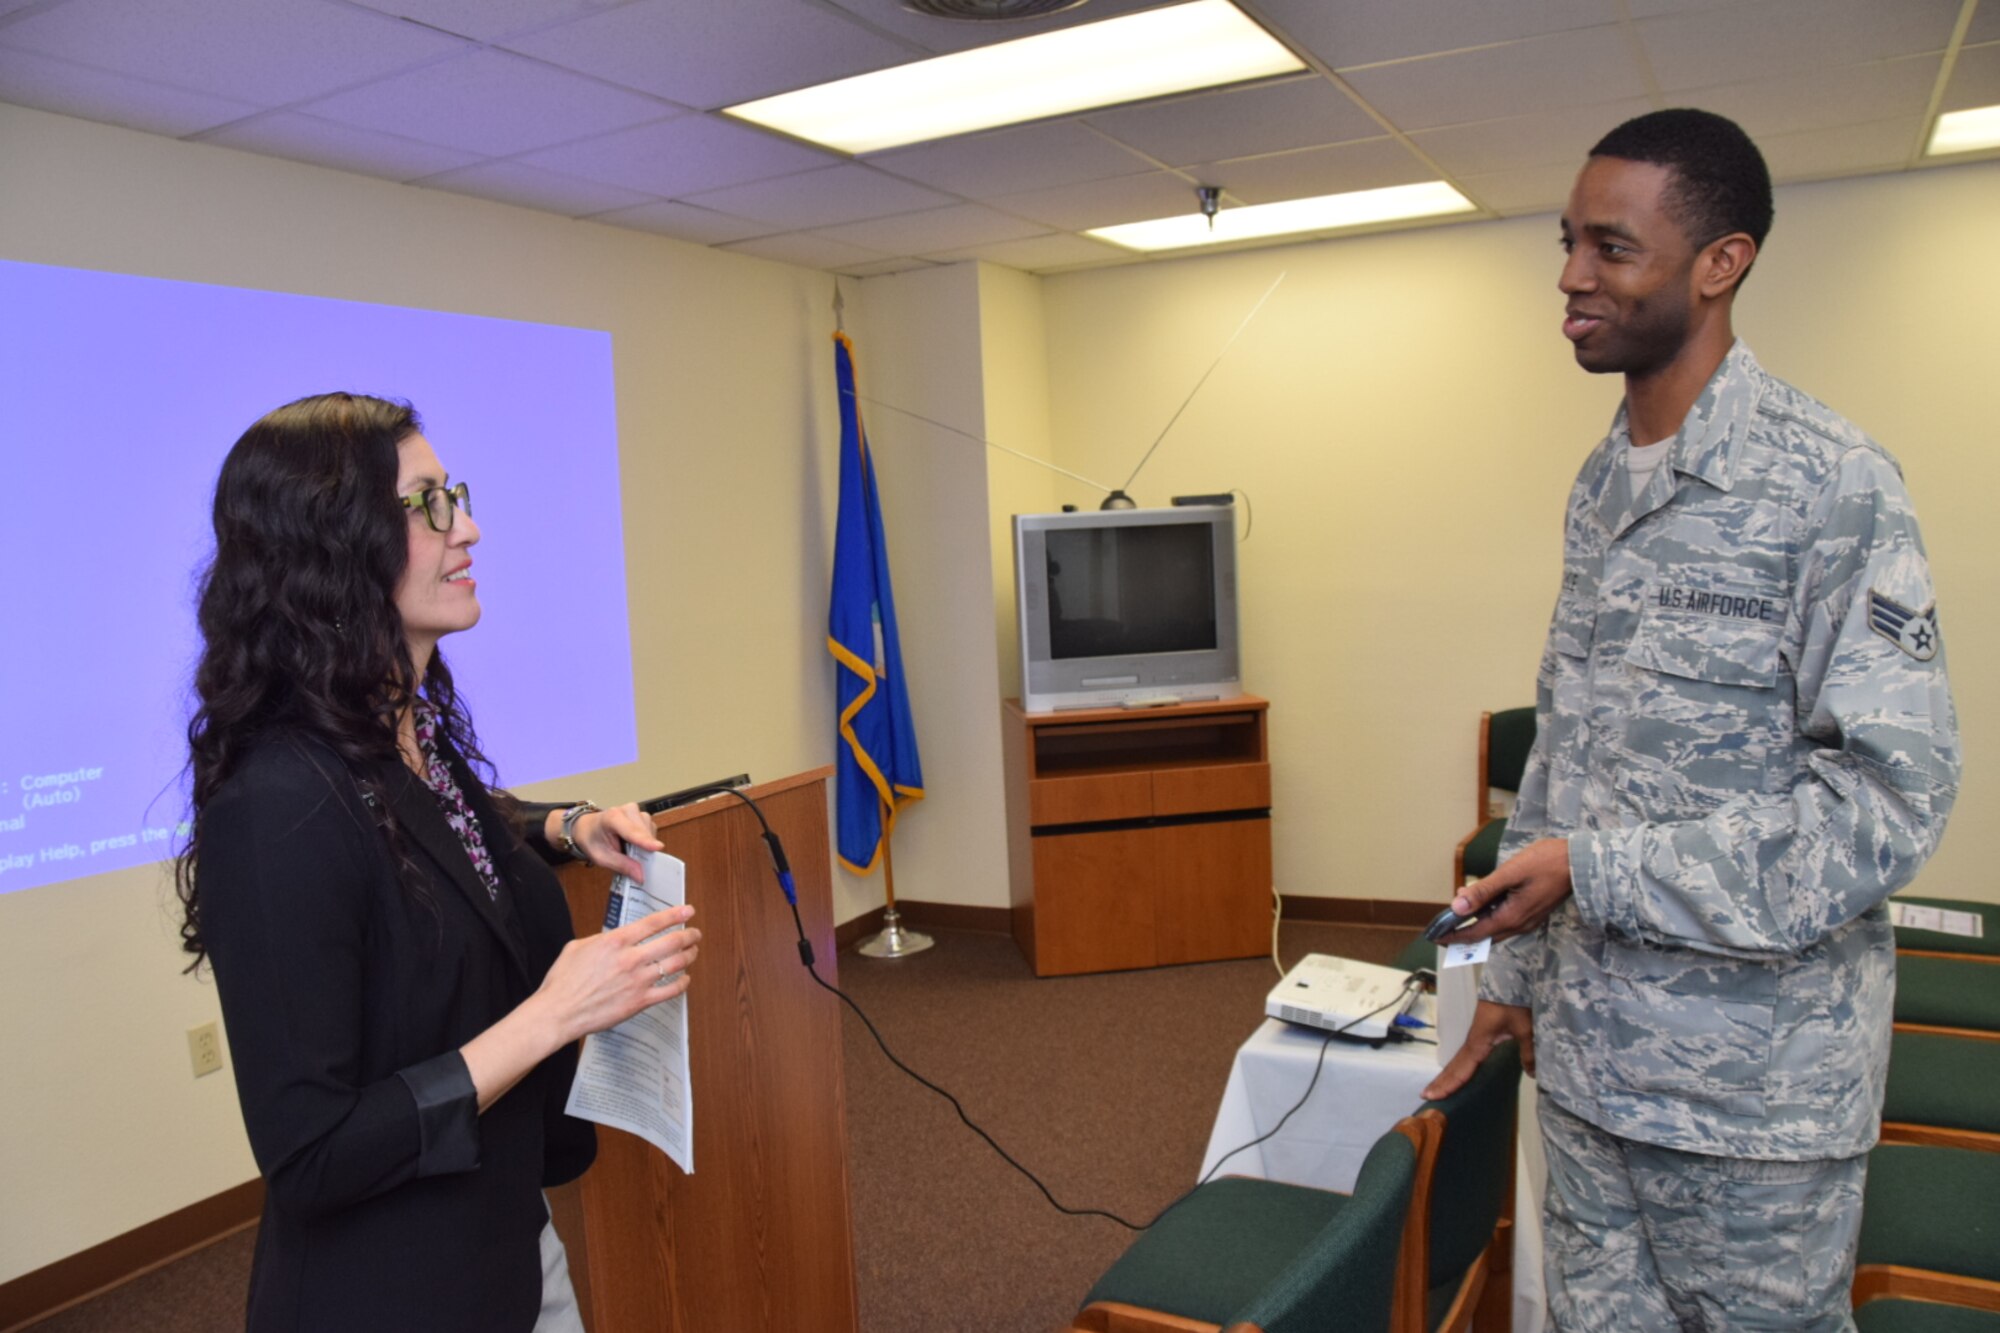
x,y
785,882
1277,919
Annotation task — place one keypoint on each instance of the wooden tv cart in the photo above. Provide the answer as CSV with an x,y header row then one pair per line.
x,y
1138,837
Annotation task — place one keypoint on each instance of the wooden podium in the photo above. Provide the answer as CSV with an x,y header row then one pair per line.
x,y
759,1237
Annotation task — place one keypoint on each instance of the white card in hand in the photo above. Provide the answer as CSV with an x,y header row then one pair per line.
x,y
1463,955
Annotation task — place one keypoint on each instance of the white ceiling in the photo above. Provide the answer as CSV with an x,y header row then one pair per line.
x,y
608,109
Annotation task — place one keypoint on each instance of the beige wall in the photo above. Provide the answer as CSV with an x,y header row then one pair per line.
x,y
1013,343
1407,420
917,347
726,426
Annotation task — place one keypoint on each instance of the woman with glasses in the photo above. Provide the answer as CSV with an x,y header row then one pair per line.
x,y
394,955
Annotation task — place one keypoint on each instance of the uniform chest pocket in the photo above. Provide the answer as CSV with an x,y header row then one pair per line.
x,y
1695,630
1689,1026
1703,712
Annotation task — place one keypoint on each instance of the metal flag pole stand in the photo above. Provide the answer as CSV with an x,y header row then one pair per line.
x,y
892,941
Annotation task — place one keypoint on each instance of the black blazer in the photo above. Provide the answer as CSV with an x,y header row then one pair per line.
x,y
391,1203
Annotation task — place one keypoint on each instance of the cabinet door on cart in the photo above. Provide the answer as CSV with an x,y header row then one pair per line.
x,y
1213,898
1094,901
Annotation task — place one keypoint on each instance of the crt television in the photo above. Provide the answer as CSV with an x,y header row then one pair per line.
x,y
1126,606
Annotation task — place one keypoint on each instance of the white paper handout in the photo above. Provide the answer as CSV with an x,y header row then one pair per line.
x,y
634,1077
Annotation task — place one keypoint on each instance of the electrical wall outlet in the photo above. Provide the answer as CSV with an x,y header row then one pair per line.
x,y
204,1049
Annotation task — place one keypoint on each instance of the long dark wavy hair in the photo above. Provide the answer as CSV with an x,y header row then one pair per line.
x,y
297,609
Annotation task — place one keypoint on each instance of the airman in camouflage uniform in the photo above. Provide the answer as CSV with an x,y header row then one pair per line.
x,y
1745,743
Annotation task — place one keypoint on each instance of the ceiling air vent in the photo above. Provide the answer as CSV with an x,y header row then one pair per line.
x,y
989,11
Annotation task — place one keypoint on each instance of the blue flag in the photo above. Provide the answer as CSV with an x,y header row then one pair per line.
x,y
876,770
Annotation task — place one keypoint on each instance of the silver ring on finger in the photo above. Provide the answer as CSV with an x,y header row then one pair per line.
x,y
661,964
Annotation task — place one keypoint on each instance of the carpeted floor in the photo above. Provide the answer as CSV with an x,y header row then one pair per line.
x,y
1104,1086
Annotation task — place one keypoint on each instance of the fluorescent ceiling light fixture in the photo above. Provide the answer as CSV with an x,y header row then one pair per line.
x,y
1327,212
1965,131
1127,59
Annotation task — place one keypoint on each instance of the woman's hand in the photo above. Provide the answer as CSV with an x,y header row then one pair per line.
x,y
600,981
596,983
601,837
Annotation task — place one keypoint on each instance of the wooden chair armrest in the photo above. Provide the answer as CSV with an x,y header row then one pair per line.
x,y
1977,1034
1990,959
1939,1136
1458,859
1876,1281
1118,1317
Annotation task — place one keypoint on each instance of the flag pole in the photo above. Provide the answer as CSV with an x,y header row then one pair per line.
x,y
892,941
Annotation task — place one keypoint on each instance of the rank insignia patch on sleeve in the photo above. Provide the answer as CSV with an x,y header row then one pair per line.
x,y
1915,632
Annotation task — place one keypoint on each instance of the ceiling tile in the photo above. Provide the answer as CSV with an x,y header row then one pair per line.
x,y
1550,138
1645,9
709,55
807,249
490,103
270,52
882,268
1542,189
1311,172
1768,38
1975,79
1360,32
119,99
1157,194
932,230
1790,103
1571,69
1039,253
488,19
939,35
681,156
821,198
1027,157
1985,24
530,187
1239,122
684,222
1847,150
304,138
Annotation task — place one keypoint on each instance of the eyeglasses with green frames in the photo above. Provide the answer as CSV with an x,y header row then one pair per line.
x,y
440,505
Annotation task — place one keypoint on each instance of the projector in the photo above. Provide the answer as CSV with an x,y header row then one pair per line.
x,y
1339,995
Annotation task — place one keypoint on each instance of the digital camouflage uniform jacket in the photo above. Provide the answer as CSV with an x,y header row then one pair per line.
x,y
1745,732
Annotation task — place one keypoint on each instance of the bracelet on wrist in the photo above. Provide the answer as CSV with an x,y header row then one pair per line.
x,y
566,834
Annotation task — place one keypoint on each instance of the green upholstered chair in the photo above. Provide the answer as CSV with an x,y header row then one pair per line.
x,y
1468,1238
1454,1257
1419,952
1943,1089
1930,1227
1891,1315
1984,945
1246,1254
1958,995
1504,741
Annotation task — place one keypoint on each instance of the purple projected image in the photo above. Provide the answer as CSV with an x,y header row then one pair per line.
x,y
122,396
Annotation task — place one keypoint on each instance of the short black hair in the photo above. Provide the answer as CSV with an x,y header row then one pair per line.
x,y
1721,184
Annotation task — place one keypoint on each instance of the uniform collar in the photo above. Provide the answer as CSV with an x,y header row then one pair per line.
x,y
1707,445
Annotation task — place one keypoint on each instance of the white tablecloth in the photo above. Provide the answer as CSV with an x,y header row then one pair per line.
x,y
1361,1093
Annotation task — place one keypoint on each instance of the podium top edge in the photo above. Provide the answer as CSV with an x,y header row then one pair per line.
x,y
756,791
